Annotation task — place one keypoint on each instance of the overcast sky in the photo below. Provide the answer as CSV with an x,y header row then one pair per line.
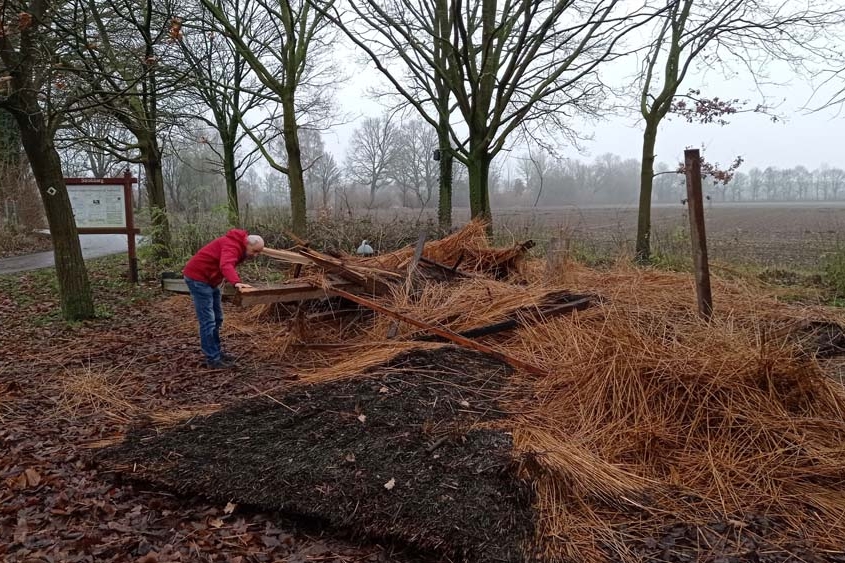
x,y
800,138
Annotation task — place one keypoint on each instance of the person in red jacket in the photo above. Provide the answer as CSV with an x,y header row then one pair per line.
x,y
204,273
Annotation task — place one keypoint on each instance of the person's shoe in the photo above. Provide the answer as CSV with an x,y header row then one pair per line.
x,y
219,364
227,357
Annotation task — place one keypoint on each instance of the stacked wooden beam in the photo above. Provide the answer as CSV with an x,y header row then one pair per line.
x,y
387,284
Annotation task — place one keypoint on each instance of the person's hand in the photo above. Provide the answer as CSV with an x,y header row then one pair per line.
x,y
242,286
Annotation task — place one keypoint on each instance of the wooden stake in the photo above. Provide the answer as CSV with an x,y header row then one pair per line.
x,y
692,165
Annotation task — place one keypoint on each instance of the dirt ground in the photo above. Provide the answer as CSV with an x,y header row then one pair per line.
x,y
66,387
401,451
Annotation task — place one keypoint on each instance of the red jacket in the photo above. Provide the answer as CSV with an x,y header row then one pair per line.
x,y
216,260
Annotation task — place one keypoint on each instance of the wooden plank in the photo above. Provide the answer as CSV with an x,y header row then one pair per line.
x,y
287,256
287,293
517,320
449,271
370,282
447,334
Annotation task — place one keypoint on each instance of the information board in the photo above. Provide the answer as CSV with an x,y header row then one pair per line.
x,y
98,206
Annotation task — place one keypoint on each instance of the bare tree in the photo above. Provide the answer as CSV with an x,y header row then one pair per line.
x,y
126,52
534,166
82,147
413,170
223,82
372,152
327,176
298,72
28,78
721,34
312,149
505,64
194,187
320,171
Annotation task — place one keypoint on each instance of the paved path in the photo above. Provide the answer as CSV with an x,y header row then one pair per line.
x,y
93,246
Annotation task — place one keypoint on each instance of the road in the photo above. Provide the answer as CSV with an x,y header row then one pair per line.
x,y
93,246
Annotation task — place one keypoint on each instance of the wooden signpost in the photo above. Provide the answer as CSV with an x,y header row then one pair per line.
x,y
103,206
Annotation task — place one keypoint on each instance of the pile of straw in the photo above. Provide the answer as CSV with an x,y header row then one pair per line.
x,y
470,245
651,416
651,420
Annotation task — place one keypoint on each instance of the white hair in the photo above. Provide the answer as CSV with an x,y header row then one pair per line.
x,y
255,240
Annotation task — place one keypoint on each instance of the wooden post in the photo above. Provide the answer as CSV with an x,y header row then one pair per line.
x,y
128,180
692,166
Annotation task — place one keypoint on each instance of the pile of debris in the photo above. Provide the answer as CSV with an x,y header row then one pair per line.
x,y
608,422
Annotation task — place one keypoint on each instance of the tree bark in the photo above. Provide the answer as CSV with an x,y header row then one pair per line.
x,y
444,203
230,175
478,169
643,241
74,287
161,238
295,179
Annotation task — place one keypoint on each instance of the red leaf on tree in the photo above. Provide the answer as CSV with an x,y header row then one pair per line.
x,y
24,20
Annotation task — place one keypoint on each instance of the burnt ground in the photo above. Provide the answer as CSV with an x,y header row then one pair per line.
x,y
396,453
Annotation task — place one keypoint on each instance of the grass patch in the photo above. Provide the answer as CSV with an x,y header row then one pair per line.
x,y
833,273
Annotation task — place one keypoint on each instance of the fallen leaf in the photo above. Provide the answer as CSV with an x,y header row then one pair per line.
x,y
362,417
230,508
18,482
21,530
384,390
390,484
216,523
32,477
350,457
464,404
151,557
270,541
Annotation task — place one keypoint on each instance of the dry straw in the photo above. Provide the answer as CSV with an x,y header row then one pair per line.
x,y
651,416
92,390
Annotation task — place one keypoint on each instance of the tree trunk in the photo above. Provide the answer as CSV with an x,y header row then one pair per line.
x,y
478,169
74,287
231,184
372,193
643,242
444,204
295,179
161,239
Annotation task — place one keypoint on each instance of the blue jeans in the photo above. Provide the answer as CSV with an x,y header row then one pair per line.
x,y
209,311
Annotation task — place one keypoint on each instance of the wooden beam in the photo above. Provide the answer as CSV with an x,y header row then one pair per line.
x,y
287,293
287,256
520,318
447,334
364,277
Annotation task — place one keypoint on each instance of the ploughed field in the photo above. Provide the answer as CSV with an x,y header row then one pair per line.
x,y
776,235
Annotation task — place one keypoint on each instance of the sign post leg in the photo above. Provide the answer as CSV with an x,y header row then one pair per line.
x,y
130,226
